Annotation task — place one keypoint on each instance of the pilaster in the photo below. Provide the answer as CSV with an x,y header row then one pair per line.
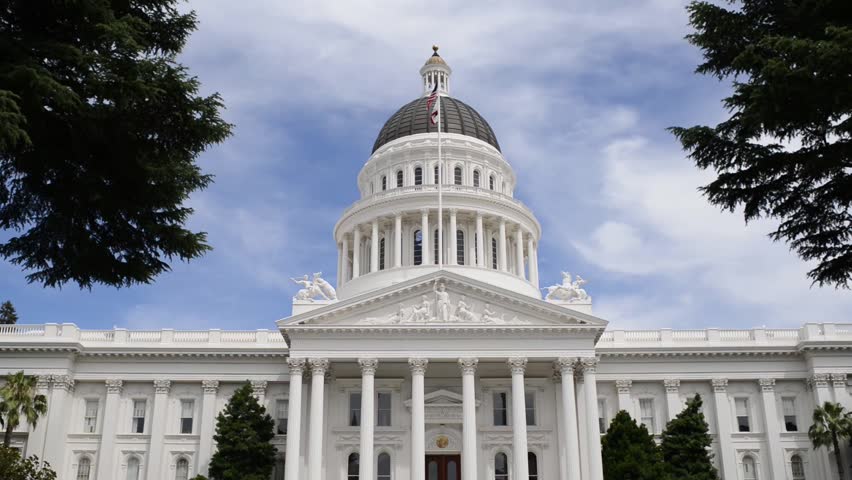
x,y
294,419
673,405
724,424
209,390
624,401
36,440
594,438
57,419
773,430
158,429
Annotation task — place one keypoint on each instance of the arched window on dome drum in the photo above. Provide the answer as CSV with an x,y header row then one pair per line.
x,y
749,470
532,462
182,470
459,247
84,467
399,179
457,176
418,248
476,178
436,175
435,247
384,182
501,467
491,182
494,253
382,254
383,472
354,464
797,467
133,469
418,176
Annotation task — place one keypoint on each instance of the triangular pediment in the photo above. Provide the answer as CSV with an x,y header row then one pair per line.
x,y
442,299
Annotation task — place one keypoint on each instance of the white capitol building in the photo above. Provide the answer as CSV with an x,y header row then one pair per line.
x,y
411,370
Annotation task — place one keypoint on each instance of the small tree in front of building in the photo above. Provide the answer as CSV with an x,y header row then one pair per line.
x,y
8,315
629,451
832,425
686,444
15,467
243,432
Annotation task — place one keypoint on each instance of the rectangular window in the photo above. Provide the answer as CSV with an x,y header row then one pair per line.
x,y
646,409
501,412
281,407
186,414
383,409
741,405
90,422
791,423
529,403
602,424
355,409
138,417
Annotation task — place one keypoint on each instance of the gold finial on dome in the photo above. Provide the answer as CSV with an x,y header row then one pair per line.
x,y
435,58
435,49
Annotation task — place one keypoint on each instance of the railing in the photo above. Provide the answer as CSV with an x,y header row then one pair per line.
x,y
447,189
714,337
68,332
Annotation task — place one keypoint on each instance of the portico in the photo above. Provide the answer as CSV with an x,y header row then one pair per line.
x,y
461,386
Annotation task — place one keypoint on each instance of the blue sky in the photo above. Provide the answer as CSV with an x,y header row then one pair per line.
x,y
579,94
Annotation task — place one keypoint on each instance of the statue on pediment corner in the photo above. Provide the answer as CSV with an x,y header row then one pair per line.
x,y
311,289
569,291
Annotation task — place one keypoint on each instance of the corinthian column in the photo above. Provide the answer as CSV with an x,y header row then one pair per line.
x,y
418,418
480,242
318,369
426,244
773,432
569,417
397,240
591,390
158,429
723,427
519,252
208,418
454,244
294,419
356,252
107,454
519,417
374,246
368,377
469,450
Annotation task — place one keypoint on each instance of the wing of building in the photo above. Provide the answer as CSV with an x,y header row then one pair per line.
x,y
436,357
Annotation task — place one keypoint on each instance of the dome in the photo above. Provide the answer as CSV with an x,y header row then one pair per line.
x,y
456,117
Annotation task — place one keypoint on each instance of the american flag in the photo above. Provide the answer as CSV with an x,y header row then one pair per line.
x,y
432,104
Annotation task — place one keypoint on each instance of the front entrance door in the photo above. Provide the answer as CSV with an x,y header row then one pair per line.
x,y
443,467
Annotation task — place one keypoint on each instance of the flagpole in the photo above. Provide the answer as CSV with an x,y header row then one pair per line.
x,y
440,194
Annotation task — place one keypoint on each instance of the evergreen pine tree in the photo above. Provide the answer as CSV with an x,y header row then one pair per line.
x,y
8,316
686,445
629,451
243,432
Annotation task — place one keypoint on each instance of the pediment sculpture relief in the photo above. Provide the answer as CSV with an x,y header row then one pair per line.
x,y
569,291
439,308
314,289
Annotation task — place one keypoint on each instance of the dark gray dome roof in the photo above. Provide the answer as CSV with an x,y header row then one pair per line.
x,y
456,117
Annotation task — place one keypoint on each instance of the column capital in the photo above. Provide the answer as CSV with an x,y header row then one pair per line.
x,y
210,386
64,382
368,365
623,386
672,385
819,380
418,365
468,365
517,365
720,385
453,211
502,221
565,365
114,386
162,386
43,381
424,211
766,384
838,380
319,366
590,364
296,365
479,215
259,387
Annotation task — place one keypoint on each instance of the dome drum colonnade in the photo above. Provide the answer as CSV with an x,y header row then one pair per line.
x,y
487,233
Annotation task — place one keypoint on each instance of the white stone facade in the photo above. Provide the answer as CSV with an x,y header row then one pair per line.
x,y
429,370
